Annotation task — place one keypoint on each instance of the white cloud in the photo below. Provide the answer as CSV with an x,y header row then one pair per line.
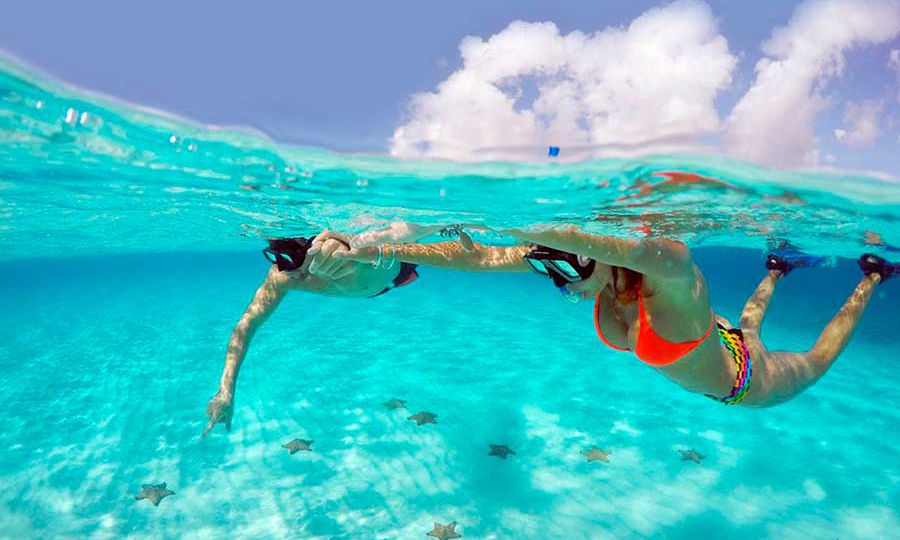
x,y
652,84
861,121
894,64
774,122
894,60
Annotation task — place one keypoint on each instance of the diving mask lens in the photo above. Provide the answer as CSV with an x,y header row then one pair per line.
x,y
567,270
537,266
287,253
271,256
283,260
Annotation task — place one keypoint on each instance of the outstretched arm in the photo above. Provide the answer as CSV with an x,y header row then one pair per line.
x,y
656,257
450,255
264,302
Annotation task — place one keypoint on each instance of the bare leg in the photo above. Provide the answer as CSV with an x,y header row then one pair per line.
x,y
783,375
755,308
837,333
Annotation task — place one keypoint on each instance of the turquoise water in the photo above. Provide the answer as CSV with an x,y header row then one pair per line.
x,y
129,247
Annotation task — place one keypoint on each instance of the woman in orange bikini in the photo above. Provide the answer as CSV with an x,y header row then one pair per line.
x,y
650,298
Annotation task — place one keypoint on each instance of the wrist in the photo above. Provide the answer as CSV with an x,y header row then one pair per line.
x,y
393,251
387,256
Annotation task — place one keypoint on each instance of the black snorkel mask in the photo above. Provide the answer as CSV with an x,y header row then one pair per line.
x,y
288,253
560,266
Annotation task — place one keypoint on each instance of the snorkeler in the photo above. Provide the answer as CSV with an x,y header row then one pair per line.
x,y
300,264
651,299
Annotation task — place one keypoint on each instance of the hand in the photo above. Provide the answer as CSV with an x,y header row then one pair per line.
x,y
465,241
326,235
219,410
322,261
397,232
462,237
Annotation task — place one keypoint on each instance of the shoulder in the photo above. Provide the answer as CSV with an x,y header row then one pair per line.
x,y
665,247
684,289
662,258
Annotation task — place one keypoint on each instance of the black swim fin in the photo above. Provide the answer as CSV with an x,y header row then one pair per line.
x,y
873,264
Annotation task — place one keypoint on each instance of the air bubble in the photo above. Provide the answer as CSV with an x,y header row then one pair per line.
x,y
71,116
90,120
173,139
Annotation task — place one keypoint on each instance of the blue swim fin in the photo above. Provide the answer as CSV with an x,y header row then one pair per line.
x,y
787,257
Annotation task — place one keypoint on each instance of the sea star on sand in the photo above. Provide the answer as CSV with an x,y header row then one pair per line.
x,y
423,417
298,444
395,403
596,454
444,532
500,450
154,493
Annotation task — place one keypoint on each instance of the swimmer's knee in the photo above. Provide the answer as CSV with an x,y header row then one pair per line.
x,y
823,354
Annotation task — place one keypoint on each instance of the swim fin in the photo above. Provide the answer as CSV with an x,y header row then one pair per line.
x,y
787,258
873,264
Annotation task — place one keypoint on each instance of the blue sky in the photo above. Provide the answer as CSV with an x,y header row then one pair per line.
x,y
343,74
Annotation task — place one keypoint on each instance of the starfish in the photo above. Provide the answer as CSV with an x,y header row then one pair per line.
x,y
395,403
444,532
298,444
154,493
500,450
690,455
423,417
596,454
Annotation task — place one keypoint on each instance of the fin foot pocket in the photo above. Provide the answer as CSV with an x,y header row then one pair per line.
x,y
870,263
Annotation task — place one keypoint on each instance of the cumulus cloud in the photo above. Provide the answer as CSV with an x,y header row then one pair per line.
x,y
650,85
774,122
894,64
862,123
